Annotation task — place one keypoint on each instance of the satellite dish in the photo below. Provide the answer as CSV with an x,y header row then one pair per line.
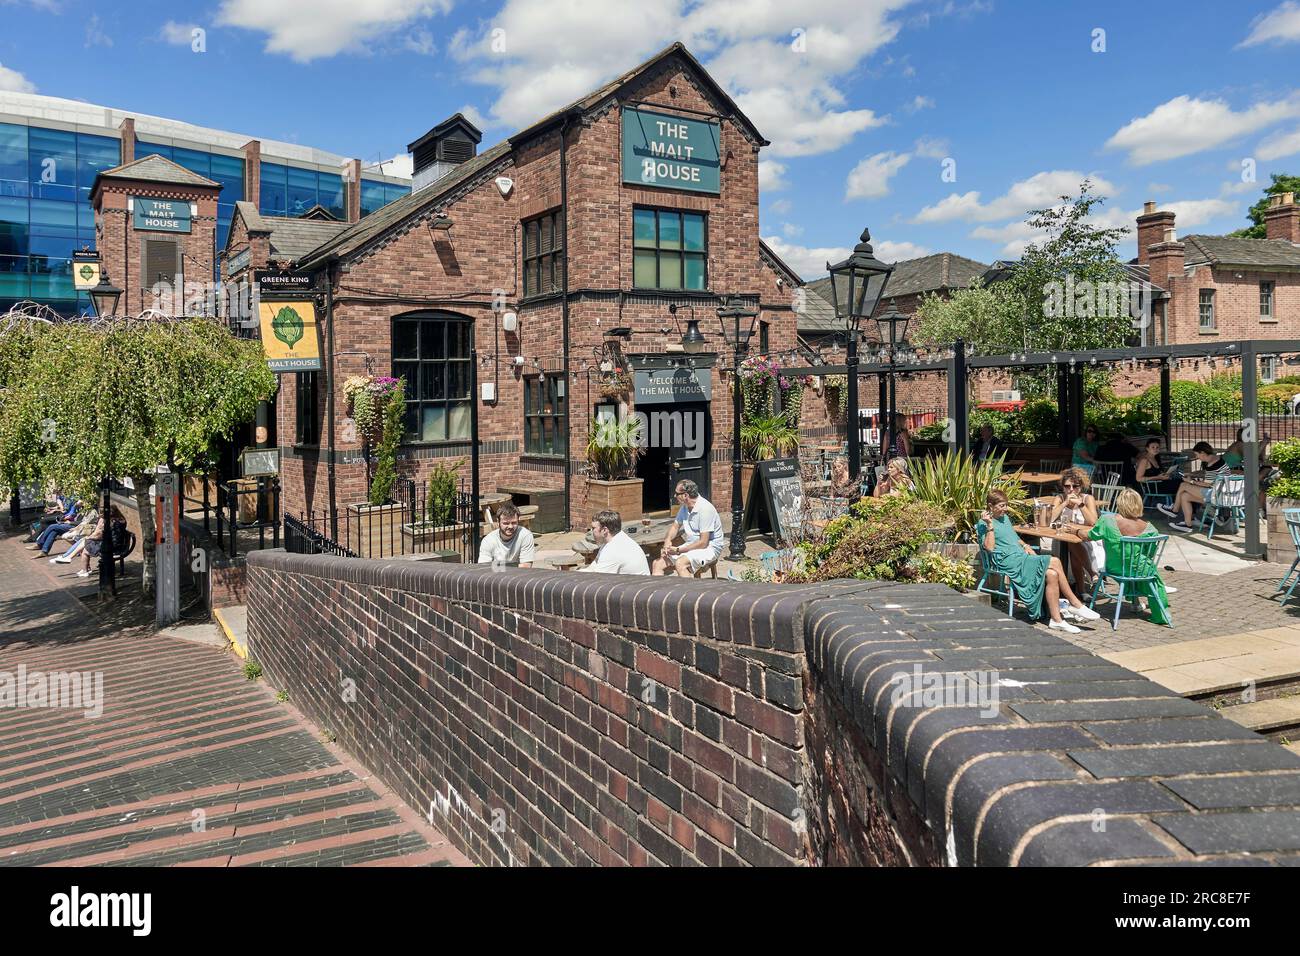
x,y
505,184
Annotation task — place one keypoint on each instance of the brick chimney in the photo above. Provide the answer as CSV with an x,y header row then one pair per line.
x,y
127,129
1166,258
253,172
352,190
1152,226
1282,218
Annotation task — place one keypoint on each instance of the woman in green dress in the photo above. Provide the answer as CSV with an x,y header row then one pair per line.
x,y
1129,523
1039,579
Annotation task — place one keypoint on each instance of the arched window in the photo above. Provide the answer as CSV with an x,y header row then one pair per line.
x,y
431,350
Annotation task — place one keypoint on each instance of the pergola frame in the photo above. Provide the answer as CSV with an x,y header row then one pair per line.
x,y
1070,367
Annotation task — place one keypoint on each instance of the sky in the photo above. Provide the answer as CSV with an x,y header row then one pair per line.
x,y
936,123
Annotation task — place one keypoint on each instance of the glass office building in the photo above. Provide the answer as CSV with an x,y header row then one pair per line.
x,y
51,149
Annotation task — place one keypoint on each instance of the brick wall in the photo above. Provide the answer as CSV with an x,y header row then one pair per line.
x,y
551,718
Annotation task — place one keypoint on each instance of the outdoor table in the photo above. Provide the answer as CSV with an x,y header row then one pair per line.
x,y
1039,478
1058,536
650,538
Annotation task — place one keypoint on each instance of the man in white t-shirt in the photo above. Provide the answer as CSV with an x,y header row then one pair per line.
x,y
618,554
700,523
509,544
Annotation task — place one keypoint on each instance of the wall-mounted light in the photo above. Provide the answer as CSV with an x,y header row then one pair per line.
x,y
509,321
440,223
519,360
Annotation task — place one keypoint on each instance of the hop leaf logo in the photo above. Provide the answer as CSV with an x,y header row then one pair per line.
x,y
87,272
287,326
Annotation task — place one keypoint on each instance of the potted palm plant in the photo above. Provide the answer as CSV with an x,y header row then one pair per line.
x,y
762,438
614,446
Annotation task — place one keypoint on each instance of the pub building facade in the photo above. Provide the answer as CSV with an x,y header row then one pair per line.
x,y
555,256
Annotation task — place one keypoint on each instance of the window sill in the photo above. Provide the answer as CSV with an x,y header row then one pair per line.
x,y
446,443
1265,321
541,298
1207,331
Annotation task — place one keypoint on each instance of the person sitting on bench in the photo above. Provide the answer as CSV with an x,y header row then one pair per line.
x,y
698,520
94,544
618,553
509,544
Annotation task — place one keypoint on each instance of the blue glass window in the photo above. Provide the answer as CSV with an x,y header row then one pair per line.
x,y
94,155
13,160
373,196
303,190
331,194
143,149
274,190
229,171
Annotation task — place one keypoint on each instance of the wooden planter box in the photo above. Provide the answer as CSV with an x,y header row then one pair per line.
x,y
747,469
1280,547
623,496
424,538
375,531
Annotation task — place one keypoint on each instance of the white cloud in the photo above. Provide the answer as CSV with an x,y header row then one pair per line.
x,y
12,81
771,176
788,85
869,179
421,42
1232,188
95,35
889,251
306,30
1277,26
1278,145
1196,212
932,148
178,34
1158,188
399,165
1186,125
808,262
791,231
919,103
1037,192
782,206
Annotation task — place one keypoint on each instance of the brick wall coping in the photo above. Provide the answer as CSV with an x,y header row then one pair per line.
x,y
1081,761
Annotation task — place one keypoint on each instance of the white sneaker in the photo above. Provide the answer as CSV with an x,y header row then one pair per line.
x,y
83,574
1170,589
61,559
1167,511
1084,613
1065,626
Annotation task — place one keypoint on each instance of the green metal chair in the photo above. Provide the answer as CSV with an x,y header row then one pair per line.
x,y
1133,557
985,586
1292,518
1227,492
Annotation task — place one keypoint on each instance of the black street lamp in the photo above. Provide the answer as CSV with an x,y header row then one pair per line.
x,y
737,336
104,297
856,287
893,338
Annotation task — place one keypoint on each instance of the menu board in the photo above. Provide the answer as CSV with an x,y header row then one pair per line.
x,y
776,499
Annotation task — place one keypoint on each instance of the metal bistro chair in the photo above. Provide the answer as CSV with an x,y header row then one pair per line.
x,y
1054,465
984,586
1292,518
1107,472
1134,555
1152,495
1228,491
1106,495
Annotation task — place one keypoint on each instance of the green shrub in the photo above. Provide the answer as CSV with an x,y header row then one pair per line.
x,y
440,505
876,540
931,432
1286,456
381,485
1002,423
958,488
931,567
1189,401
1039,422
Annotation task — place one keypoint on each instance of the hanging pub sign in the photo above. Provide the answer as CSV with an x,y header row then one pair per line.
x,y
660,149
161,215
85,274
289,335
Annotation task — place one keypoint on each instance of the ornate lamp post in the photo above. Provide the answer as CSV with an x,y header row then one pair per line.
x,y
104,297
737,335
856,287
893,336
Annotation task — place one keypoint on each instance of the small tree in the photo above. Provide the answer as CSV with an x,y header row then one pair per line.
x,y
394,413
120,397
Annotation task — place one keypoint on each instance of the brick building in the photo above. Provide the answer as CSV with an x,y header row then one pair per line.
x,y
539,268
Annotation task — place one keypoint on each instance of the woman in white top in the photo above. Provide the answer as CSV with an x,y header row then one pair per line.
x,y
1076,510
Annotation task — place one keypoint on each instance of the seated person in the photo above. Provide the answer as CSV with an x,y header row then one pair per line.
x,y
1129,523
94,543
1234,454
1085,449
896,479
1191,491
1147,469
1075,509
1116,449
988,446
509,544
699,522
843,485
1038,579
60,510
66,522
618,553
78,536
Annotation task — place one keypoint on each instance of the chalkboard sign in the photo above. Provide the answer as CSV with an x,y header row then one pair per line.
x,y
254,462
775,499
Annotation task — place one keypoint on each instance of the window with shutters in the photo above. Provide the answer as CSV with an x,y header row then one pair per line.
x,y
159,264
543,252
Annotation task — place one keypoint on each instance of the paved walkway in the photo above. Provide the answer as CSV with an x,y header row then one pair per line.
x,y
188,764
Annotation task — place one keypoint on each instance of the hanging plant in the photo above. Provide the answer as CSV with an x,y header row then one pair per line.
x,y
835,388
367,397
615,384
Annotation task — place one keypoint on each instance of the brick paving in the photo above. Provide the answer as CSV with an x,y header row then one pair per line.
x,y
188,764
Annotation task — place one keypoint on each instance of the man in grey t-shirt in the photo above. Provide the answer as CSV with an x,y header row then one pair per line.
x,y
701,525
509,544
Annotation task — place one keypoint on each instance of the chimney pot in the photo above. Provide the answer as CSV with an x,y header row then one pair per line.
x,y
1148,207
1171,235
1287,199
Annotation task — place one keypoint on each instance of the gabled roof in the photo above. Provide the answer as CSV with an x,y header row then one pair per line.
x,y
934,273
1234,251
319,212
154,169
766,253
290,237
385,218
457,120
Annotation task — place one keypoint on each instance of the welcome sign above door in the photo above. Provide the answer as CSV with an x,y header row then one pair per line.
x,y
660,149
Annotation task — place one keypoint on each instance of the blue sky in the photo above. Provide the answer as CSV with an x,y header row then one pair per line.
x,y
864,100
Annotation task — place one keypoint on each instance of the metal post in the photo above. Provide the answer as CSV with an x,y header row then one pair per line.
x,y
1166,416
1063,408
737,552
881,405
107,574
957,409
167,538
1250,446
851,402
473,442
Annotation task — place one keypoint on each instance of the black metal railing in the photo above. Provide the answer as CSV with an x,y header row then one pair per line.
x,y
251,504
416,522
